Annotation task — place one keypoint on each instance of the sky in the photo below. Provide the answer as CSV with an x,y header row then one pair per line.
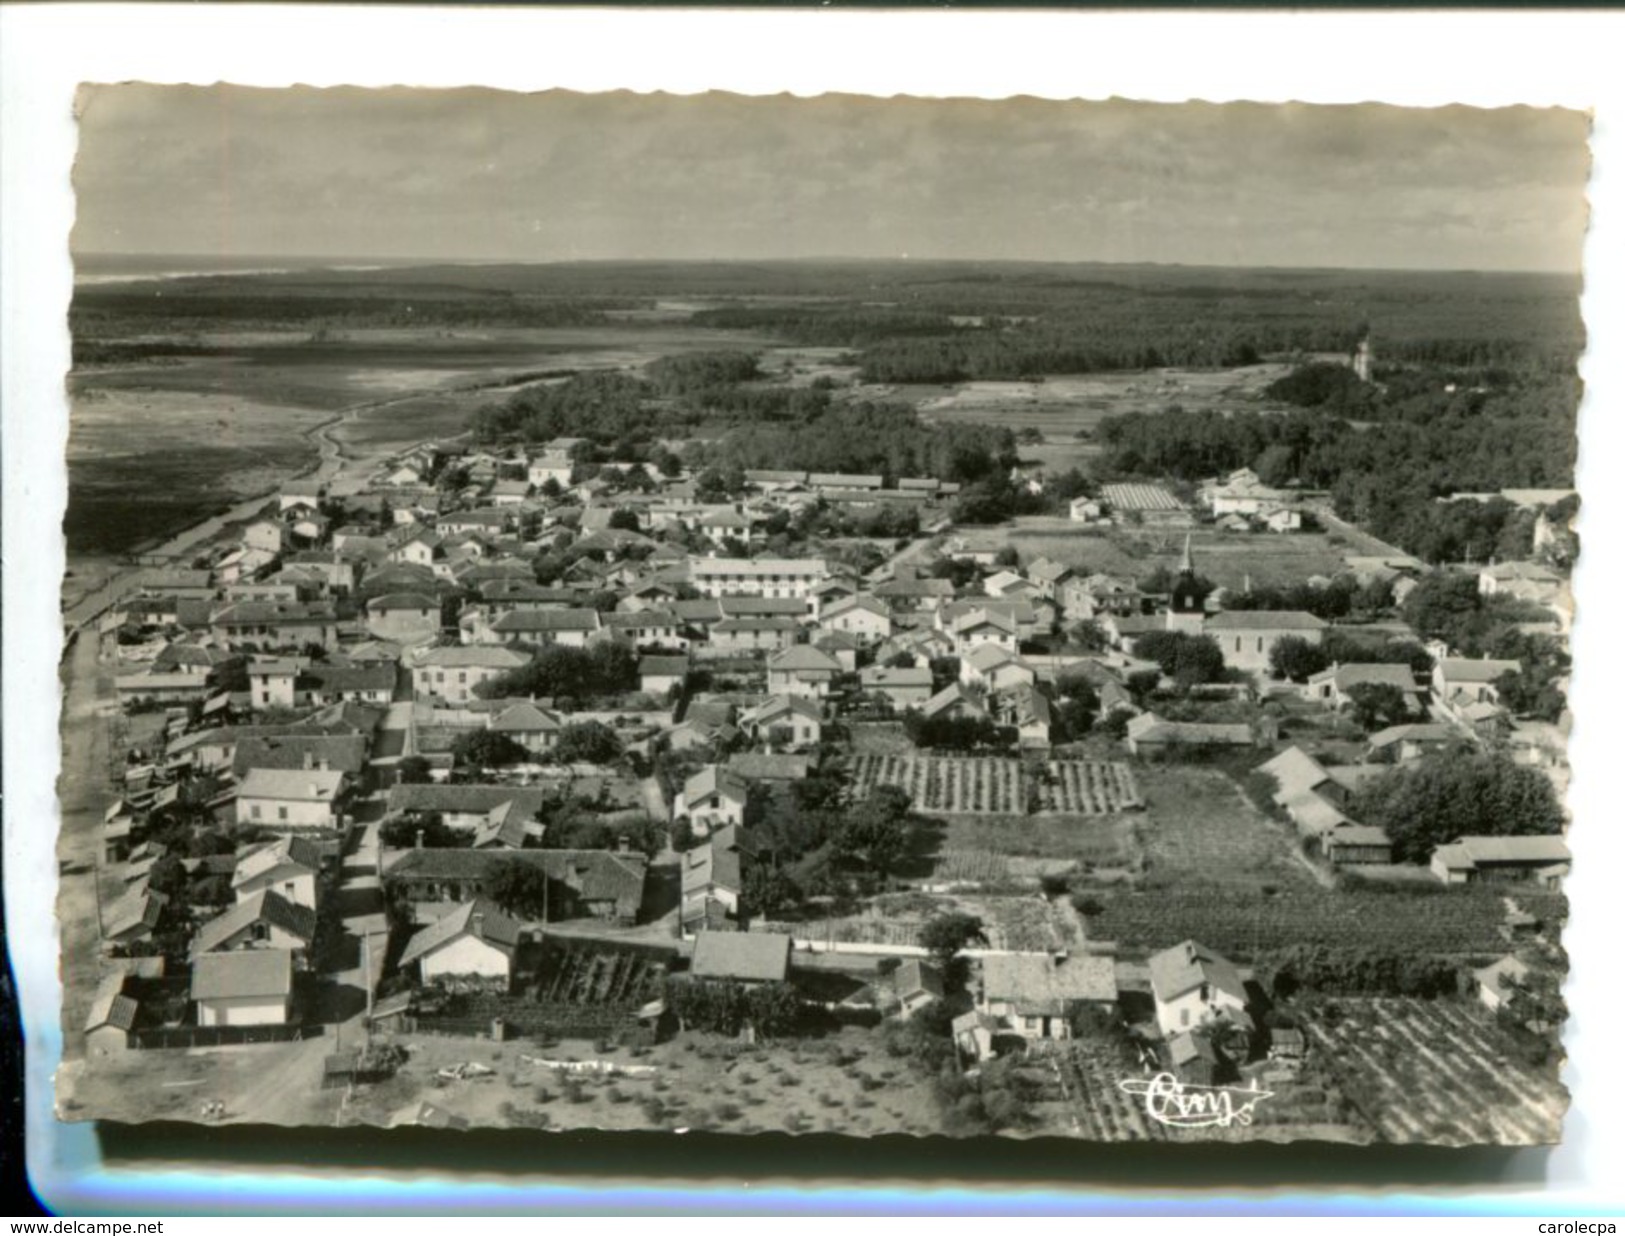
x,y
484,175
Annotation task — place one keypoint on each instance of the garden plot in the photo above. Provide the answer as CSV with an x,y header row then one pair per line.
x,y
947,785
1092,787
1436,1072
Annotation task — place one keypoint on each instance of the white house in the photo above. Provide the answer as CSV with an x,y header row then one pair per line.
x,y
1036,994
290,798
453,673
289,866
764,577
474,939
249,988
905,686
711,799
994,668
786,718
862,617
1193,985
802,670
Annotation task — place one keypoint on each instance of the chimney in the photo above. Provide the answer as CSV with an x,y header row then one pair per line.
x,y
1190,951
310,760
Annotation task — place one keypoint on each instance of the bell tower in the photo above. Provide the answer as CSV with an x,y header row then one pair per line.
x,y
1186,604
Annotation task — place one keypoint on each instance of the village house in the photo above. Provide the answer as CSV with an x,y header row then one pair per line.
x,y
741,956
1149,734
917,984
470,807
1036,995
475,940
568,628
1461,681
753,635
784,721
1245,637
992,667
712,798
802,670
954,701
405,617
1026,708
660,676
134,916
285,800
712,881
1193,985
112,1018
271,682
910,593
1332,686
843,647
1542,860
1400,744
275,624
647,629
252,988
345,753
904,688
289,866
601,884
155,687
264,919
863,617
178,582
453,673
980,628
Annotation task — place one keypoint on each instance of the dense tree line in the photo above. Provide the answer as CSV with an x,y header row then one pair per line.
x,y
1355,972
1457,794
608,667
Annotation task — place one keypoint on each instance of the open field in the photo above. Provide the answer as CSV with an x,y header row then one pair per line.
x,y
1228,559
841,1084
1199,827
1061,406
1436,1072
1100,839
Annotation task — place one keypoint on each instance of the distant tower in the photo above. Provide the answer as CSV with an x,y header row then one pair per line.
x,y
1361,361
1185,605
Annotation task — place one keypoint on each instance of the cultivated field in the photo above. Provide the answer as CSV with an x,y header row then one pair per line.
x,y
1104,840
1199,827
1244,922
1436,1072
948,785
1090,787
1140,497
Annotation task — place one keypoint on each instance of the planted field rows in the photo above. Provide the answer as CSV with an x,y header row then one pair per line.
x,y
1435,1072
1092,787
1244,922
946,785
1088,1071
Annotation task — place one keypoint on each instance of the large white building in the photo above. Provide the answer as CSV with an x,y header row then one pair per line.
x,y
760,577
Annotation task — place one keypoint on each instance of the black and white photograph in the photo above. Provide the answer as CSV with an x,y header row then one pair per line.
x,y
820,615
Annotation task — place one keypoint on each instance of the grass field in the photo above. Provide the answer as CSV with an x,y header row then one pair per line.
x,y
1061,406
1199,827
1105,840
1225,558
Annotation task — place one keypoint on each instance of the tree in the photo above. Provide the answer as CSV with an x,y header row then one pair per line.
x,y
769,892
402,833
1296,658
876,833
587,742
1456,794
1090,636
487,749
518,888
1532,692
1377,705
946,935
625,519
412,770
1189,660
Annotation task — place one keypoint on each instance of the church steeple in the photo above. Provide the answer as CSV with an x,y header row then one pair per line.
x,y
1186,566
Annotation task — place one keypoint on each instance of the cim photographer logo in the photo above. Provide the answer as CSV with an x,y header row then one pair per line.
x,y
1187,1106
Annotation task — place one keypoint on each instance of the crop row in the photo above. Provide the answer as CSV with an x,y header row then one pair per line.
x,y
1245,923
1093,787
946,784
1434,1071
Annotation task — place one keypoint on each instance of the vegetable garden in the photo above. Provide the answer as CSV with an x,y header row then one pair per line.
x,y
1436,1072
1092,787
946,785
